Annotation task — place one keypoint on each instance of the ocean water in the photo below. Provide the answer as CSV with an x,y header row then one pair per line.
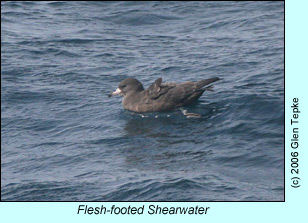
x,y
63,139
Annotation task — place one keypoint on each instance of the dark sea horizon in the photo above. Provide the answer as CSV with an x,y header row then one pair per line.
x,y
63,139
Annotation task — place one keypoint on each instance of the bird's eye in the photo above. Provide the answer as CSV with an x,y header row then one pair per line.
x,y
123,86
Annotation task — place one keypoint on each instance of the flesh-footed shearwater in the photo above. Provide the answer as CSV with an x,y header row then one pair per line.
x,y
160,96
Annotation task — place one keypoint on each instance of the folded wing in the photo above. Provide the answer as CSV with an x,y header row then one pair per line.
x,y
176,94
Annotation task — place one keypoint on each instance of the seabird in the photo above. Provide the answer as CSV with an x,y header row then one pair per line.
x,y
160,96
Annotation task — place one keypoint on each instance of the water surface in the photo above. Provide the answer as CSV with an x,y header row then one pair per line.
x,y
62,138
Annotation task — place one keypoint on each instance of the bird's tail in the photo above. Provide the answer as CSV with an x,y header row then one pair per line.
x,y
202,83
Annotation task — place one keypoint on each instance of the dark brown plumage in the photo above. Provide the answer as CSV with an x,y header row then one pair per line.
x,y
160,96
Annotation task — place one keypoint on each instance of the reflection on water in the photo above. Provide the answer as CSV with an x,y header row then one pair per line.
x,y
160,138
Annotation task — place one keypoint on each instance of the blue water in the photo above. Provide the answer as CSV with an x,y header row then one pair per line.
x,y
62,138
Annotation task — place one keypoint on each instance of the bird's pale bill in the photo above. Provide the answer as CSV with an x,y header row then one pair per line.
x,y
116,92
